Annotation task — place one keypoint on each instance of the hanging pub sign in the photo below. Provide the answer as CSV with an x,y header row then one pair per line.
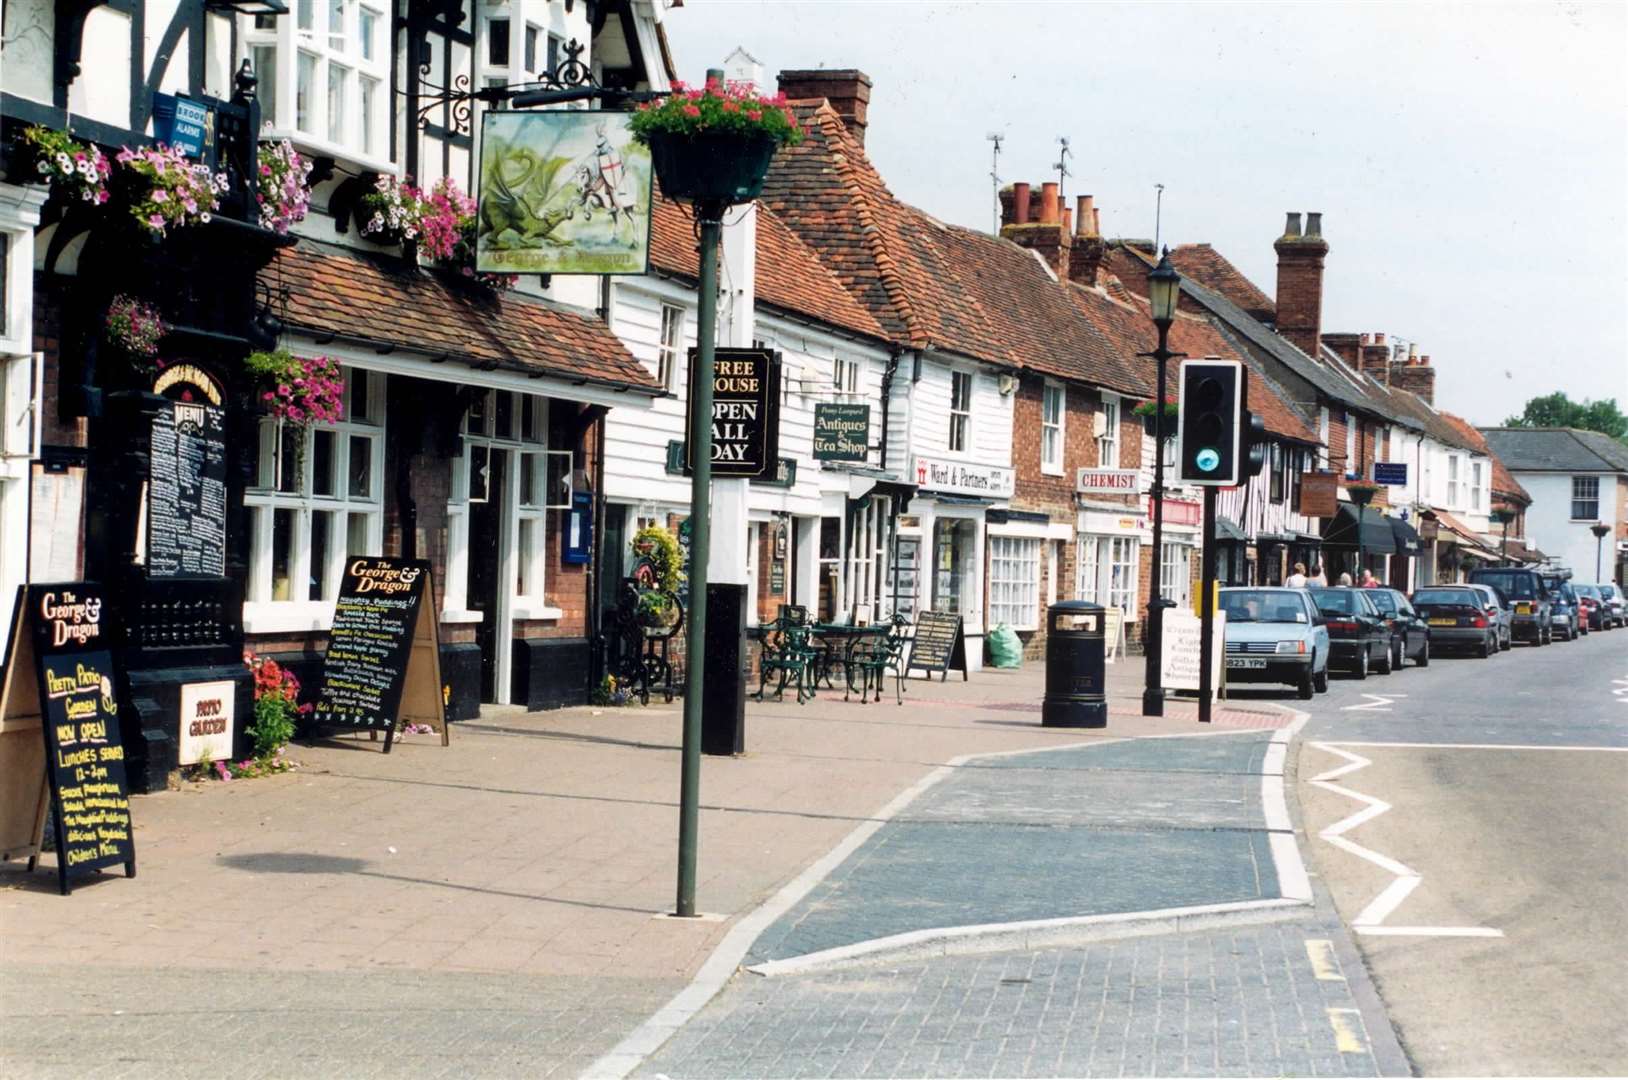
x,y
841,431
562,192
745,413
186,482
60,745
1319,494
383,664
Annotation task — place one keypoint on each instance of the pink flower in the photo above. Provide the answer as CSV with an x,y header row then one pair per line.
x,y
754,114
160,195
691,110
730,106
156,221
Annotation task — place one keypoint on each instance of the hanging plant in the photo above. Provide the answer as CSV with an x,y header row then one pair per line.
x,y
135,328
299,389
390,213
463,259
283,192
714,144
660,546
1146,408
78,170
168,190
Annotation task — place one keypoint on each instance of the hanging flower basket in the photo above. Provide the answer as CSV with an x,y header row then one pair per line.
x,y
714,144
1148,413
711,167
134,327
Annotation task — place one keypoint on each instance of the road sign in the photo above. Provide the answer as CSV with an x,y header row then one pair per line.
x,y
1391,473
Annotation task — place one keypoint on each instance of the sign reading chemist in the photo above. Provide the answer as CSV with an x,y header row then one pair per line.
x,y
745,413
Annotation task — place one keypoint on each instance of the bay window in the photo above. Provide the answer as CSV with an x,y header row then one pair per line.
x,y
1014,582
1475,486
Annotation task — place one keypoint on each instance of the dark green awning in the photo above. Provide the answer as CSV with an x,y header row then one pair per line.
x,y
1377,537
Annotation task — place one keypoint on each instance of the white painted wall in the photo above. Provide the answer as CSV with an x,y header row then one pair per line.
x,y
1551,530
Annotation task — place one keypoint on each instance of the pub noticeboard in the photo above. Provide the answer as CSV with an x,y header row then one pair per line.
x,y
58,632
938,645
383,661
745,413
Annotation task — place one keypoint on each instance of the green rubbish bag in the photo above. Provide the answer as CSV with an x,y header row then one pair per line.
x,y
1005,648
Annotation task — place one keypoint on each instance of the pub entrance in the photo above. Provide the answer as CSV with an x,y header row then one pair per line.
x,y
488,517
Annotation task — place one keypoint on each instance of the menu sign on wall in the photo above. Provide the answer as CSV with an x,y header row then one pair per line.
x,y
841,431
938,644
186,492
745,413
383,662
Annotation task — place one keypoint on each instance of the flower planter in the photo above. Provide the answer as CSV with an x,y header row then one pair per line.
x,y
711,166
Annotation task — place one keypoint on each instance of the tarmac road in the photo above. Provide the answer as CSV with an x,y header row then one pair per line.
x,y
1512,816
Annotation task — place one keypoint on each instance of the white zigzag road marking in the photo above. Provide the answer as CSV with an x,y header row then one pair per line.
x,y
1372,918
1375,703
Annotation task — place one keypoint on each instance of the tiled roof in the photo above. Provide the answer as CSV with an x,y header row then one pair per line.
x,y
1502,482
789,275
1557,449
1453,525
383,299
1209,267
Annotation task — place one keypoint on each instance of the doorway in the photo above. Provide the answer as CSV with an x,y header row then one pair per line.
x,y
488,491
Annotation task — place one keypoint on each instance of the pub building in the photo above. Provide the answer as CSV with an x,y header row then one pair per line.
x,y
472,428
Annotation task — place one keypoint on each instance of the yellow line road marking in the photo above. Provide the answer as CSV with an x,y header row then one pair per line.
x,y
1347,1025
1321,954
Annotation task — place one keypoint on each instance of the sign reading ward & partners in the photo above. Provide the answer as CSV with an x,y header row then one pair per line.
x,y
841,431
964,478
745,413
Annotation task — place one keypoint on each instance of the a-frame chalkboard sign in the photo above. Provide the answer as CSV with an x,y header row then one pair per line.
x,y
938,645
59,735
383,663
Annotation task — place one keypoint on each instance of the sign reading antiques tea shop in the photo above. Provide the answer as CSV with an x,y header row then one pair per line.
x,y
383,661
186,483
562,192
745,413
841,431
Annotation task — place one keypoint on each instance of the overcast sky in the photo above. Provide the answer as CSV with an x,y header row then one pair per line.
x,y
1470,161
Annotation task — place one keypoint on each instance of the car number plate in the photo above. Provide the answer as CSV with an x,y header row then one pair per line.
x,y
1443,622
1245,662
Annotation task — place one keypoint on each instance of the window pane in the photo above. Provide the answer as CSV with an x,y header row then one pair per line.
x,y
505,415
528,418
336,25
304,88
528,479
370,126
307,14
356,535
554,43
531,48
361,467
322,462
367,30
264,58
358,408
282,553
528,551
477,413
337,77
288,459
497,42
321,535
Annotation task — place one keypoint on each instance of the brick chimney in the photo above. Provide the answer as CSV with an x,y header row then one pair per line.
x,y
1088,248
1300,282
1376,358
848,91
1348,347
1038,225
1415,375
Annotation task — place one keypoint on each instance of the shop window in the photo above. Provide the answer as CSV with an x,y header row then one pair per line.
x,y
1087,571
316,498
1175,573
1585,498
535,481
1014,582
960,409
866,592
1275,453
671,347
1108,441
830,568
1051,430
754,537
322,76
1109,571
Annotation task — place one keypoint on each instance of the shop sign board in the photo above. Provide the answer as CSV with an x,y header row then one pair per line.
x,y
841,431
964,478
61,679
383,661
938,645
1319,494
208,721
745,413
1180,511
1179,665
1391,473
562,192
185,124
1106,481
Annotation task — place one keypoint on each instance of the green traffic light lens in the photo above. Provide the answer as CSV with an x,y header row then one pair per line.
x,y
1207,460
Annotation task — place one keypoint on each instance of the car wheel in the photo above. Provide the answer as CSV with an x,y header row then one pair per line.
x,y
1399,655
1508,642
1424,654
1386,666
1487,649
1306,688
1362,664
1319,681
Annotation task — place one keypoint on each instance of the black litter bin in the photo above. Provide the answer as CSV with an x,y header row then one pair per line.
x,y
1075,693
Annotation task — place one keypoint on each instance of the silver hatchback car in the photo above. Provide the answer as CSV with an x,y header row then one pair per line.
x,y
1275,635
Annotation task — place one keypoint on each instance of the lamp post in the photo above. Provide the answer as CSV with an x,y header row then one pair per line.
x,y
1503,516
1361,496
1164,289
1599,529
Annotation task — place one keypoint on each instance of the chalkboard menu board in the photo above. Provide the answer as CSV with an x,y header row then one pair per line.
x,y
938,644
186,491
78,710
382,661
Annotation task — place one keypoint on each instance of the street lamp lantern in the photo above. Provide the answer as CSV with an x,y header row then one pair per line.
x,y
1164,290
1599,529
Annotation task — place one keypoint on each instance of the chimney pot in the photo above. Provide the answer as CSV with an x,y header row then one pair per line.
x,y
1424,361
1083,216
848,90
1020,204
1314,224
1379,338
1096,221
1291,227
1048,203
1068,221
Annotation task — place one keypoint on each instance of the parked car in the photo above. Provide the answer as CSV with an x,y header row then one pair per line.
x,y
1410,634
1501,612
1457,615
1358,639
1594,607
1613,597
1275,636
1563,616
1526,590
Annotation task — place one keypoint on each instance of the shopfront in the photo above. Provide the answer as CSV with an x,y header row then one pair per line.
x,y
952,506
1108,565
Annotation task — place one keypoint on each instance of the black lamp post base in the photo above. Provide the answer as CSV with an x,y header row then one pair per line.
x,y
1153,701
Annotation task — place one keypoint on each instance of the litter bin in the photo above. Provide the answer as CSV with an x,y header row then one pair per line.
x,y
1075,694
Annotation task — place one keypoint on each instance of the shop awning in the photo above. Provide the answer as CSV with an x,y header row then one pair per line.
x,y
1375,531
1227,532
1454,532
863,483
1306,539
1407,537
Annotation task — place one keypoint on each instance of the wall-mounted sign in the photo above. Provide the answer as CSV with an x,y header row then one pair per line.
x,y
1319,494
1180,511
841,431
1391,473
962,478
745,412
186,490
1106,481
185,124
208,716
562,192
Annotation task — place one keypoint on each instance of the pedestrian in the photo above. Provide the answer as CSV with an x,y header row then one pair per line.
x,y
1318,578
1345,579
1368,580
1298,579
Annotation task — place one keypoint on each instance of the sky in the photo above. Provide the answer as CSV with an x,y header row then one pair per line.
x,y
1470,161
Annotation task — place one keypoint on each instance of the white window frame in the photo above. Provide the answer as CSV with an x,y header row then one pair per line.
x,y
1053,408
1108,441
670,345
1322,436
1590,488
298,608
1477,475
287,41
1087,569
845,376
1452,481
1014,581
1351,445
864,559
1176,573
1110,569
960,433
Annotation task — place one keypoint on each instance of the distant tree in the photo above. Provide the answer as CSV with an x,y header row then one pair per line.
x,y
1558,410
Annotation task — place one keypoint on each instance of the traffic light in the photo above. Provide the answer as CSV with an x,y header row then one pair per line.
x,y
1212,422
1254,442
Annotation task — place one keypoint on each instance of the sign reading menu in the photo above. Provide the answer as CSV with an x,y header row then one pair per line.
x,y
383,661
186,492
938,644
59,632
841,431
745,413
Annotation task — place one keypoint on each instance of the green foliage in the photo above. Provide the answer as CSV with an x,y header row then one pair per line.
x,y
729,108
273,725
660,546
1559,410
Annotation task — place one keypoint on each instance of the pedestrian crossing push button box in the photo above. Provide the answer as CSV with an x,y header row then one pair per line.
x,y
1075,693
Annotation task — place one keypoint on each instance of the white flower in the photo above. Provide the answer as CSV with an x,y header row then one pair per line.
x,y
204,217
64,162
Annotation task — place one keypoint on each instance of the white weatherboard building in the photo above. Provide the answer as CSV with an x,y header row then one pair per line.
x,y
1577,480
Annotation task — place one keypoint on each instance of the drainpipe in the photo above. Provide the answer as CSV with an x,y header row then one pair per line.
x,y
887,396
596,552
